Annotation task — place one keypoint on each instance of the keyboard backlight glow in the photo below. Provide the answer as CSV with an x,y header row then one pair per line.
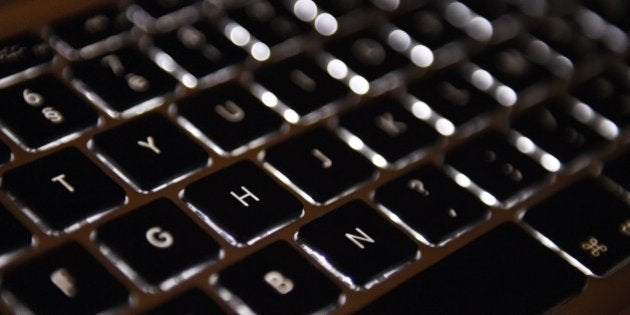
x,y
326,24
359,85
305,10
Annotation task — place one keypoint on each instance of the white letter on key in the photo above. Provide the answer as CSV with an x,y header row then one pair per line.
x,y
61,179
242,198
150,144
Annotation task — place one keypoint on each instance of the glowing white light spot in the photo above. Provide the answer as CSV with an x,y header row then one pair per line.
x,y
260,51
608,129
359,85
337,69
165,62
482,79
462,180
269,99
488,199
550,163
387,5
379,161
305,10
238,35
356,143
480,29
326,24
399,40
458,14
525,145
582,112
505,96
189,81
592,24
421,56
421,110
538,50
444,127
291,116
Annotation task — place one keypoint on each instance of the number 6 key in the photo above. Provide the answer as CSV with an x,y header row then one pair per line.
x,y
43,112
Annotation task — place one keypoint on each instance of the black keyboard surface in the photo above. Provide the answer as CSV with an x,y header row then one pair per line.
x,y
314,156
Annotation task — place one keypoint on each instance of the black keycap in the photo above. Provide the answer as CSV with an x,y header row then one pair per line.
x,y
512,64
428,27
367,55
20,53
617,169
191,302
431,203
277,280
453,97
268,21
5,153
491,9
555,129
588,222
609,94
243,201
389,129
158,9
66,280
13,235
492,163
301,84
91,27
158,242
358,243
320,164
229,116
502,272
124,79
561,33
43,111
62,189
150,152
611,10
340,7
200,49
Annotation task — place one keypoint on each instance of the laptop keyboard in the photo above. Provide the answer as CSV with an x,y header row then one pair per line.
x,y
290,157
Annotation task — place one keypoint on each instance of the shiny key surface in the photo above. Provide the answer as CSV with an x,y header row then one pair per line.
x,y
200,49
20,53
358,243
554,126
243,202
367,54
229,117
497,166
62,189
587,221
328,167
158,242
150,152
431,204
44,110
124,79
301,84
277,280
91,27
388,128
65,280
504,271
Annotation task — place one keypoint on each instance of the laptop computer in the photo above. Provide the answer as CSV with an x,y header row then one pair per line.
x,y
287,157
